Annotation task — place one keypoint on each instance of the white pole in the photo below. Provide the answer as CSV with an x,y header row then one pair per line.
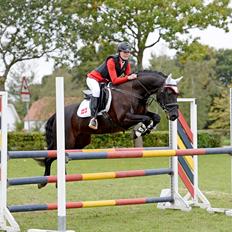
x,y
193,125
3,182
174,160
179,202
61,190
231,131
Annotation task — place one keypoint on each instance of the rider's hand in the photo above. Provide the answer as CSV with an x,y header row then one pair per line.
x,y
132,76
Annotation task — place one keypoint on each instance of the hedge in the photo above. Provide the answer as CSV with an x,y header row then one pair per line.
x,y
22,141
36,140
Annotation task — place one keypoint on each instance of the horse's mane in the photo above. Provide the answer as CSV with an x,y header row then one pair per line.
x,y
151,72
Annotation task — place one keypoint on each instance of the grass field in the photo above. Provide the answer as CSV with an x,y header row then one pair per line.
x,y
215,183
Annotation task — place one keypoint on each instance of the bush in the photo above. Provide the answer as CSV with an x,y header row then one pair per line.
x,y
209,139
155,139
23,141
36,140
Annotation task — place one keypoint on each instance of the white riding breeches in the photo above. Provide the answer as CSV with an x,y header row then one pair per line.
x,y
94,86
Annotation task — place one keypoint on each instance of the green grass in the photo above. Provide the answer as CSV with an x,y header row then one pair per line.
x,y
214,182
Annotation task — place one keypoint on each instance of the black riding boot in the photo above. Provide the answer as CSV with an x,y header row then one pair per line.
x,y
94,110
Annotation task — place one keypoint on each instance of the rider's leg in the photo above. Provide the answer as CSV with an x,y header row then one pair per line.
x,y
94,102
94,110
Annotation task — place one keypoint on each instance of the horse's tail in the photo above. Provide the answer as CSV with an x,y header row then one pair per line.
x,y
50,134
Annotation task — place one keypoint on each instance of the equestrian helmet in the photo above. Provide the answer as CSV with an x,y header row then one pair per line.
x,y
124,47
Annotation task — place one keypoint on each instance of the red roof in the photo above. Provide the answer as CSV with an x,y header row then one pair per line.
x,y
43,108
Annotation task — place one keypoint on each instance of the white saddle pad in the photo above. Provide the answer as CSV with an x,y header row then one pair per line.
x,y
84,109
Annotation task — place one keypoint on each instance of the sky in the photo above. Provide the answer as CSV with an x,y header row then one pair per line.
x,y
212,36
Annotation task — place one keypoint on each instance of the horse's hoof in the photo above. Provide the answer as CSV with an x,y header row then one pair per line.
x,y
41,186
147,132
136,134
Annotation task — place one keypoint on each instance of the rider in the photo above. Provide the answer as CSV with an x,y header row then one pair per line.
x,y
115,69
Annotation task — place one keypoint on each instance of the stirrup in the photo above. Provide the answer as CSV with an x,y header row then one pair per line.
x,y
93,124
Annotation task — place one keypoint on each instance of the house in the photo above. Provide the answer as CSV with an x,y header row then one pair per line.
x,y
12,117
41,110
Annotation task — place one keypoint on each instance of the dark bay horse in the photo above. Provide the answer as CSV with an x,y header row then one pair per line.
x,y
128,108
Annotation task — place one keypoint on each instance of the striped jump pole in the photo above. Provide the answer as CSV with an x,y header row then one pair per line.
x,y
53,153
188,165
148,154
89,204
90,176
130,153
184,137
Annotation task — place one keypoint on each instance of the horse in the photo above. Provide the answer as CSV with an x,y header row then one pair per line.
x,y
128,108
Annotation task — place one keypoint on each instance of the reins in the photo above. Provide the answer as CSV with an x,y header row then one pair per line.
x,y
127,93
148,93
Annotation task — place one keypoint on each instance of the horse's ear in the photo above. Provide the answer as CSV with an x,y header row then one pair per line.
x,y
169,79
169,76
178,80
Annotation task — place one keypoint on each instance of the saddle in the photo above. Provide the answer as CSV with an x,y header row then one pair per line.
x,y
104,101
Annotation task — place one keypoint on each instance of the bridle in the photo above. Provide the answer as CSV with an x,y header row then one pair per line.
x,y
148,94
167,107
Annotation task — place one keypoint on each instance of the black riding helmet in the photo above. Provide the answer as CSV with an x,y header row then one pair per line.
x,y
124,47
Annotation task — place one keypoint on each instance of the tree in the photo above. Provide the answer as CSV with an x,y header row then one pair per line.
x,y
196,63
135,20
90,58
195,51
223,66
200,82
219,115
30,29
165,64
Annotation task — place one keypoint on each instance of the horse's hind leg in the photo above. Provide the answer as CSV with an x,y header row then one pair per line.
x,y
81,141
47,172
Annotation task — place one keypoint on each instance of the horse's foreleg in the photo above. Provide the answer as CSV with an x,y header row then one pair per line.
x,y
155,119
143,122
